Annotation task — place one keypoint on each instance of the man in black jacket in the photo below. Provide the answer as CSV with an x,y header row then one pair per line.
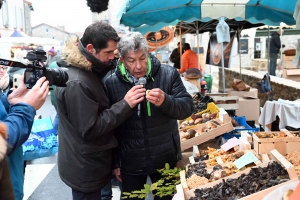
x,y
175,56
275,46
148,141
87,119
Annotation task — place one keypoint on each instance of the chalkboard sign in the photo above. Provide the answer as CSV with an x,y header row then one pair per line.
x,y
243,46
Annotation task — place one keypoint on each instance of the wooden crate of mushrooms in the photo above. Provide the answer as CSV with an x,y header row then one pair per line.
x,y
204,116
251,183
284,141
201,133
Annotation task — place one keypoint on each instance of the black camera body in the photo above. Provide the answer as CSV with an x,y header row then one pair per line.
x,y
36,69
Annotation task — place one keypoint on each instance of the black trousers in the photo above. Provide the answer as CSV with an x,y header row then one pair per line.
x,y
77,195
136,182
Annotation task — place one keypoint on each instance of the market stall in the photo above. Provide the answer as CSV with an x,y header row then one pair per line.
x,y
235,169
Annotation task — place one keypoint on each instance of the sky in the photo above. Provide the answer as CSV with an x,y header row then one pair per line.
x,y
75,15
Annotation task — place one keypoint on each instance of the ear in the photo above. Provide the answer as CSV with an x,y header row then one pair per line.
x,y
90,48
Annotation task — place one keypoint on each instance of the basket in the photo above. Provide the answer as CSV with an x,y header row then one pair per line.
x,y
204,100
290,52
242,122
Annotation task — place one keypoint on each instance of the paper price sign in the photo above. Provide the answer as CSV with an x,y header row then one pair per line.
x,y
192,160
230,144
245,160
195,151
219,160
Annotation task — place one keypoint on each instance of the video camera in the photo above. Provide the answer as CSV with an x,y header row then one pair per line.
x,y
36,69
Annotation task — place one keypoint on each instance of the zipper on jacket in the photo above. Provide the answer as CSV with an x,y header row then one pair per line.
x,y
145,132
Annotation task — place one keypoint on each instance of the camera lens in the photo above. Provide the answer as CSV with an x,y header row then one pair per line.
x,y
57,76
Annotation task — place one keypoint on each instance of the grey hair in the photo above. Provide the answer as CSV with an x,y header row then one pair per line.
x,y
280,30
132,41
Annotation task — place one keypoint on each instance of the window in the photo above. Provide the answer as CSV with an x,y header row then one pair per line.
x,y
5,19
47,30
52,37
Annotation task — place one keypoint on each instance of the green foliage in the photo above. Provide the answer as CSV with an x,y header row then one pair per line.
x,y
165,186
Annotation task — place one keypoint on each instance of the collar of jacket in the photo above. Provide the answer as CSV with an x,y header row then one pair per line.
x,y
98,67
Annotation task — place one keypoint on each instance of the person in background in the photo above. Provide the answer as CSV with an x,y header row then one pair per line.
x,y
52,56
175,56
17,111
275,45
86,118
189,58
151,139
20,57
6,81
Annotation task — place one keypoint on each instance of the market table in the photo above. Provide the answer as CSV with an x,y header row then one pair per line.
x,y
287,111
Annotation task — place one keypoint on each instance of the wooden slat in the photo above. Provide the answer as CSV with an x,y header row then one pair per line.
x,y
275,155
265,157
246,135
183,181
225,128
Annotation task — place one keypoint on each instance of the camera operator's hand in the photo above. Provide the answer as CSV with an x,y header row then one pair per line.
x,y
17,95
36,97
135,95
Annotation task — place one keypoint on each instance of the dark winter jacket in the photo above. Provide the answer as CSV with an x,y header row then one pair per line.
x,y
87,122
146,143
275,43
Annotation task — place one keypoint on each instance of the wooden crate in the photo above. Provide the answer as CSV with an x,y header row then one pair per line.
x,y
283,145
276,156
263,65
254,62
223,98
227,106
224,128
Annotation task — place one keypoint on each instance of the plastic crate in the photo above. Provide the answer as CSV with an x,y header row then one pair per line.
x,y
242,122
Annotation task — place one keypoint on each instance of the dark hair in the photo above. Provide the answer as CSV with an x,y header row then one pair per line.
x,y
98,34
178,43
186,46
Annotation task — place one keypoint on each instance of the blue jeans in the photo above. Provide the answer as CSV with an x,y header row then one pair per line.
x,y
77,195
55,124
106,192
273,64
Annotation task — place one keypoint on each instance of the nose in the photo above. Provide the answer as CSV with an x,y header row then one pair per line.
x,y
138,64
111,56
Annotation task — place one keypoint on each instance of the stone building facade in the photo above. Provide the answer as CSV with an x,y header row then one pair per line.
x,y
47,31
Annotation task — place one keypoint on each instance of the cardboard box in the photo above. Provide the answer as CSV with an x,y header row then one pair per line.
x,y
239,85
286,58
291,74
288,64
249,107
252,93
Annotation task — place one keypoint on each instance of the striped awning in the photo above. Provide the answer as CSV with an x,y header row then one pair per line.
x,y
152,12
